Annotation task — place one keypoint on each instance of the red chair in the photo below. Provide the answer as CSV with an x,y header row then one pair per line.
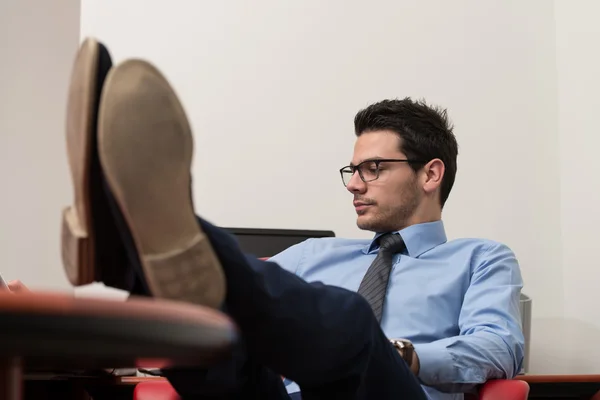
x,y
504,389
159,390
501,389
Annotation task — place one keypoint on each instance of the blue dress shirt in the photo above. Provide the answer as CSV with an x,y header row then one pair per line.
x,y
457,301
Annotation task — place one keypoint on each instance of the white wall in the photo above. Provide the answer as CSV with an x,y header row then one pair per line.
x,y
38,39
271,89
578,63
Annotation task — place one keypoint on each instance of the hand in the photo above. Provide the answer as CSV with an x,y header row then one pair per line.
x,y
415,365
17,287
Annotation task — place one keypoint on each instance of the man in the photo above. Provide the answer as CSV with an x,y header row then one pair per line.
x,y
457,301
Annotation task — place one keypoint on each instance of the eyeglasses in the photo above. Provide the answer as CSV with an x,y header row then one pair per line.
x,y
368,170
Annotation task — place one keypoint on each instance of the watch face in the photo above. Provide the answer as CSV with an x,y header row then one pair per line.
x,y
402,343
405,348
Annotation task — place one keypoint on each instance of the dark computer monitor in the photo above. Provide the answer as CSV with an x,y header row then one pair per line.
x,y
268,242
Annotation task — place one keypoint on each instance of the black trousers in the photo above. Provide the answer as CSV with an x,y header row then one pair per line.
x,y
324,338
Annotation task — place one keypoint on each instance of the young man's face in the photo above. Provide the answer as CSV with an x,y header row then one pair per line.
x,y
387,203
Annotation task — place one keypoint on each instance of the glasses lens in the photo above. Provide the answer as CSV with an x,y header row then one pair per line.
x,y
369,170
346,176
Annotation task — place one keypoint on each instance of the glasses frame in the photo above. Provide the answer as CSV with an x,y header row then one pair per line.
x,y
377,161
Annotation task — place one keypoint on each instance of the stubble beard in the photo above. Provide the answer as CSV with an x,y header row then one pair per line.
x,y
392,219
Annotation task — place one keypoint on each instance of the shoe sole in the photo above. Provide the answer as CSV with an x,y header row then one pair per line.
x,y
145,146
77,236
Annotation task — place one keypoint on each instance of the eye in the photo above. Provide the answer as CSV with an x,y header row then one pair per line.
x,y
372,166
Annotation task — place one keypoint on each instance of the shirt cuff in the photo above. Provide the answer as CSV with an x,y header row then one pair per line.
x,y
435,363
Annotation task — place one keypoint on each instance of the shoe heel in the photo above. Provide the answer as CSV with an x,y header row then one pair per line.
x,y
76,249
191,274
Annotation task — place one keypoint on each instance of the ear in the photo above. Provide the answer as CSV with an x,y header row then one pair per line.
x,y
433,174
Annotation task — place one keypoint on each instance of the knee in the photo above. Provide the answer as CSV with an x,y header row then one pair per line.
x,y
362,310
354,339
360,325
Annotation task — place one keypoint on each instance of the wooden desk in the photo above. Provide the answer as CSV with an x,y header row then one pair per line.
x,y
50,332
565,387
77,387
134,380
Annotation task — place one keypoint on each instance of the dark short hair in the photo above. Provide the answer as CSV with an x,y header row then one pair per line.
x,y
425,131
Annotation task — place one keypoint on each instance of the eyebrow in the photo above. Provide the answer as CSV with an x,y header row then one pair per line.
x,y
367,159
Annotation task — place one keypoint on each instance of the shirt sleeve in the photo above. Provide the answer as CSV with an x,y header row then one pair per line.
x,y
291,258
491,343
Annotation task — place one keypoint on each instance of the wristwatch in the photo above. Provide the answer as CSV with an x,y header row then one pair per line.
x,y
406,349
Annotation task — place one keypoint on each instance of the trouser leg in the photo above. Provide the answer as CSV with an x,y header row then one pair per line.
x,y
323,337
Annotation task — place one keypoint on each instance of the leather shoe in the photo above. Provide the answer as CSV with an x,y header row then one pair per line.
x,y
91,248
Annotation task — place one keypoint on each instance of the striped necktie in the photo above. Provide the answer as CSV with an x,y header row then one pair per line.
x,y
375,282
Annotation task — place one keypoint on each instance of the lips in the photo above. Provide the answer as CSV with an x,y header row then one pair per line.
x,y
361,207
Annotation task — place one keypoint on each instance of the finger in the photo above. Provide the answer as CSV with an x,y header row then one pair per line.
x,y
17,286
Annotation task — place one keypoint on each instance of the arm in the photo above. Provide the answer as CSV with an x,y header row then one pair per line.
x,y
291,258
490,344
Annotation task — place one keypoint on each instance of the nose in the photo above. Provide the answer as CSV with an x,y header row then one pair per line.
x,y
356,185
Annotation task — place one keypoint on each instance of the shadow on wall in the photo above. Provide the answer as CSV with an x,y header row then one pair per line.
x,y
575,347
525,306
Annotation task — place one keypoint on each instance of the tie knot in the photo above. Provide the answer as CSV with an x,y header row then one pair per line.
x,y
391,243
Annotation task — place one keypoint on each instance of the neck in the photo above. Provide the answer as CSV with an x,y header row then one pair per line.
x,y
425,213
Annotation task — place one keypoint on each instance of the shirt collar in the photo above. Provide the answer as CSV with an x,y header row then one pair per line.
x,y
419,238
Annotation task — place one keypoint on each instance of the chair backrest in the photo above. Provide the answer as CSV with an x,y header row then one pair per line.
x,y
504,389
268,242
